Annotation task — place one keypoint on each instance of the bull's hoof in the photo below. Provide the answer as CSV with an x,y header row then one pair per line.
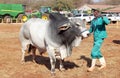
x,y
41,53
22,61
53,74
58,57
62,69
33,61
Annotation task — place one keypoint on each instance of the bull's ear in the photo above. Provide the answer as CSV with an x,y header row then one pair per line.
x,y
63,27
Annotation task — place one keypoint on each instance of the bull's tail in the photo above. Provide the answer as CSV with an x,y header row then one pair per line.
x,y
29,48
32,49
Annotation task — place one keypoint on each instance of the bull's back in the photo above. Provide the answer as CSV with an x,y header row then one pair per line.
x,y
38,32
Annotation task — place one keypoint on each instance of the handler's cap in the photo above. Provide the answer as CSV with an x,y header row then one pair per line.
x,y
93,10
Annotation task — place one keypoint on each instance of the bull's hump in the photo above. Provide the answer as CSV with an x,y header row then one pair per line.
x,y
57,17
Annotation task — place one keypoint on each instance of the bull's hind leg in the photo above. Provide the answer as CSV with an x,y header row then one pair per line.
x,y
25,49
33,49
23,56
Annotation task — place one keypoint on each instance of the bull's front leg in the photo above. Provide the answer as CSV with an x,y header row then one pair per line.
x,y
58,56
24,50
61,65
51,53
52,62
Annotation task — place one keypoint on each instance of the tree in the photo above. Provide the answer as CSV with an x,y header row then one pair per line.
x,y
61,5
113,2
57,4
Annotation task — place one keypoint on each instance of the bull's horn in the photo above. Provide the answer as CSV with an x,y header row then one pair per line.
x,y
63,27
77,23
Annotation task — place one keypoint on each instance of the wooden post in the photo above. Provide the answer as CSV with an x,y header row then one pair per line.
x,y
84,21
2,21
117,23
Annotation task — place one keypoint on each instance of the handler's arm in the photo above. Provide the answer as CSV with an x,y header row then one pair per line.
x,y
91,28
106,20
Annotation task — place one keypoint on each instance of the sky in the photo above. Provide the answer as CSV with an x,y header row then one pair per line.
x,y
97,1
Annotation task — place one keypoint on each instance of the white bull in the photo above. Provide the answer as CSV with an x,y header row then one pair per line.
x,y
57,36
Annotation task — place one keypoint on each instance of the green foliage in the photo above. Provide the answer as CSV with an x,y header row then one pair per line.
x,y
56,4
63,5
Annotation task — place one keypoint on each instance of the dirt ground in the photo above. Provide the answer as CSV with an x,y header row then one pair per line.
x,y
75,65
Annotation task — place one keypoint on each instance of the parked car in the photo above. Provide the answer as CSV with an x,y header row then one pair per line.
x,y
85,17
113,17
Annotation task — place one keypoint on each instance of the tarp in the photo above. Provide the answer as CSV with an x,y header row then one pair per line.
x,y
11,9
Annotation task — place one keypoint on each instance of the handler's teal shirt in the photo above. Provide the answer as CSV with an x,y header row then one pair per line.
x,y
98,27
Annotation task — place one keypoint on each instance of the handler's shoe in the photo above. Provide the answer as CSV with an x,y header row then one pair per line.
x,y
92,65
90,69
103,63
102,67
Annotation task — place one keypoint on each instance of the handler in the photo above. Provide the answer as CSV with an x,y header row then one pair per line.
x,y
99,33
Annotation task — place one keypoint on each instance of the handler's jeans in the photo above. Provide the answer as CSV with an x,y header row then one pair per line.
x,y
96,53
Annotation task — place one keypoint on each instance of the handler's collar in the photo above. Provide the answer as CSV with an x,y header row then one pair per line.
x,y
98,17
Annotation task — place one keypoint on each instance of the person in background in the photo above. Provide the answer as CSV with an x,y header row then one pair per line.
x,y
99,33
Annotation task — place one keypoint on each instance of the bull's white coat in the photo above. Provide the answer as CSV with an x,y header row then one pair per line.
x,y
36,32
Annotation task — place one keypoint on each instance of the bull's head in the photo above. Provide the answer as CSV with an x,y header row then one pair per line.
x,y
81,26
81,30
